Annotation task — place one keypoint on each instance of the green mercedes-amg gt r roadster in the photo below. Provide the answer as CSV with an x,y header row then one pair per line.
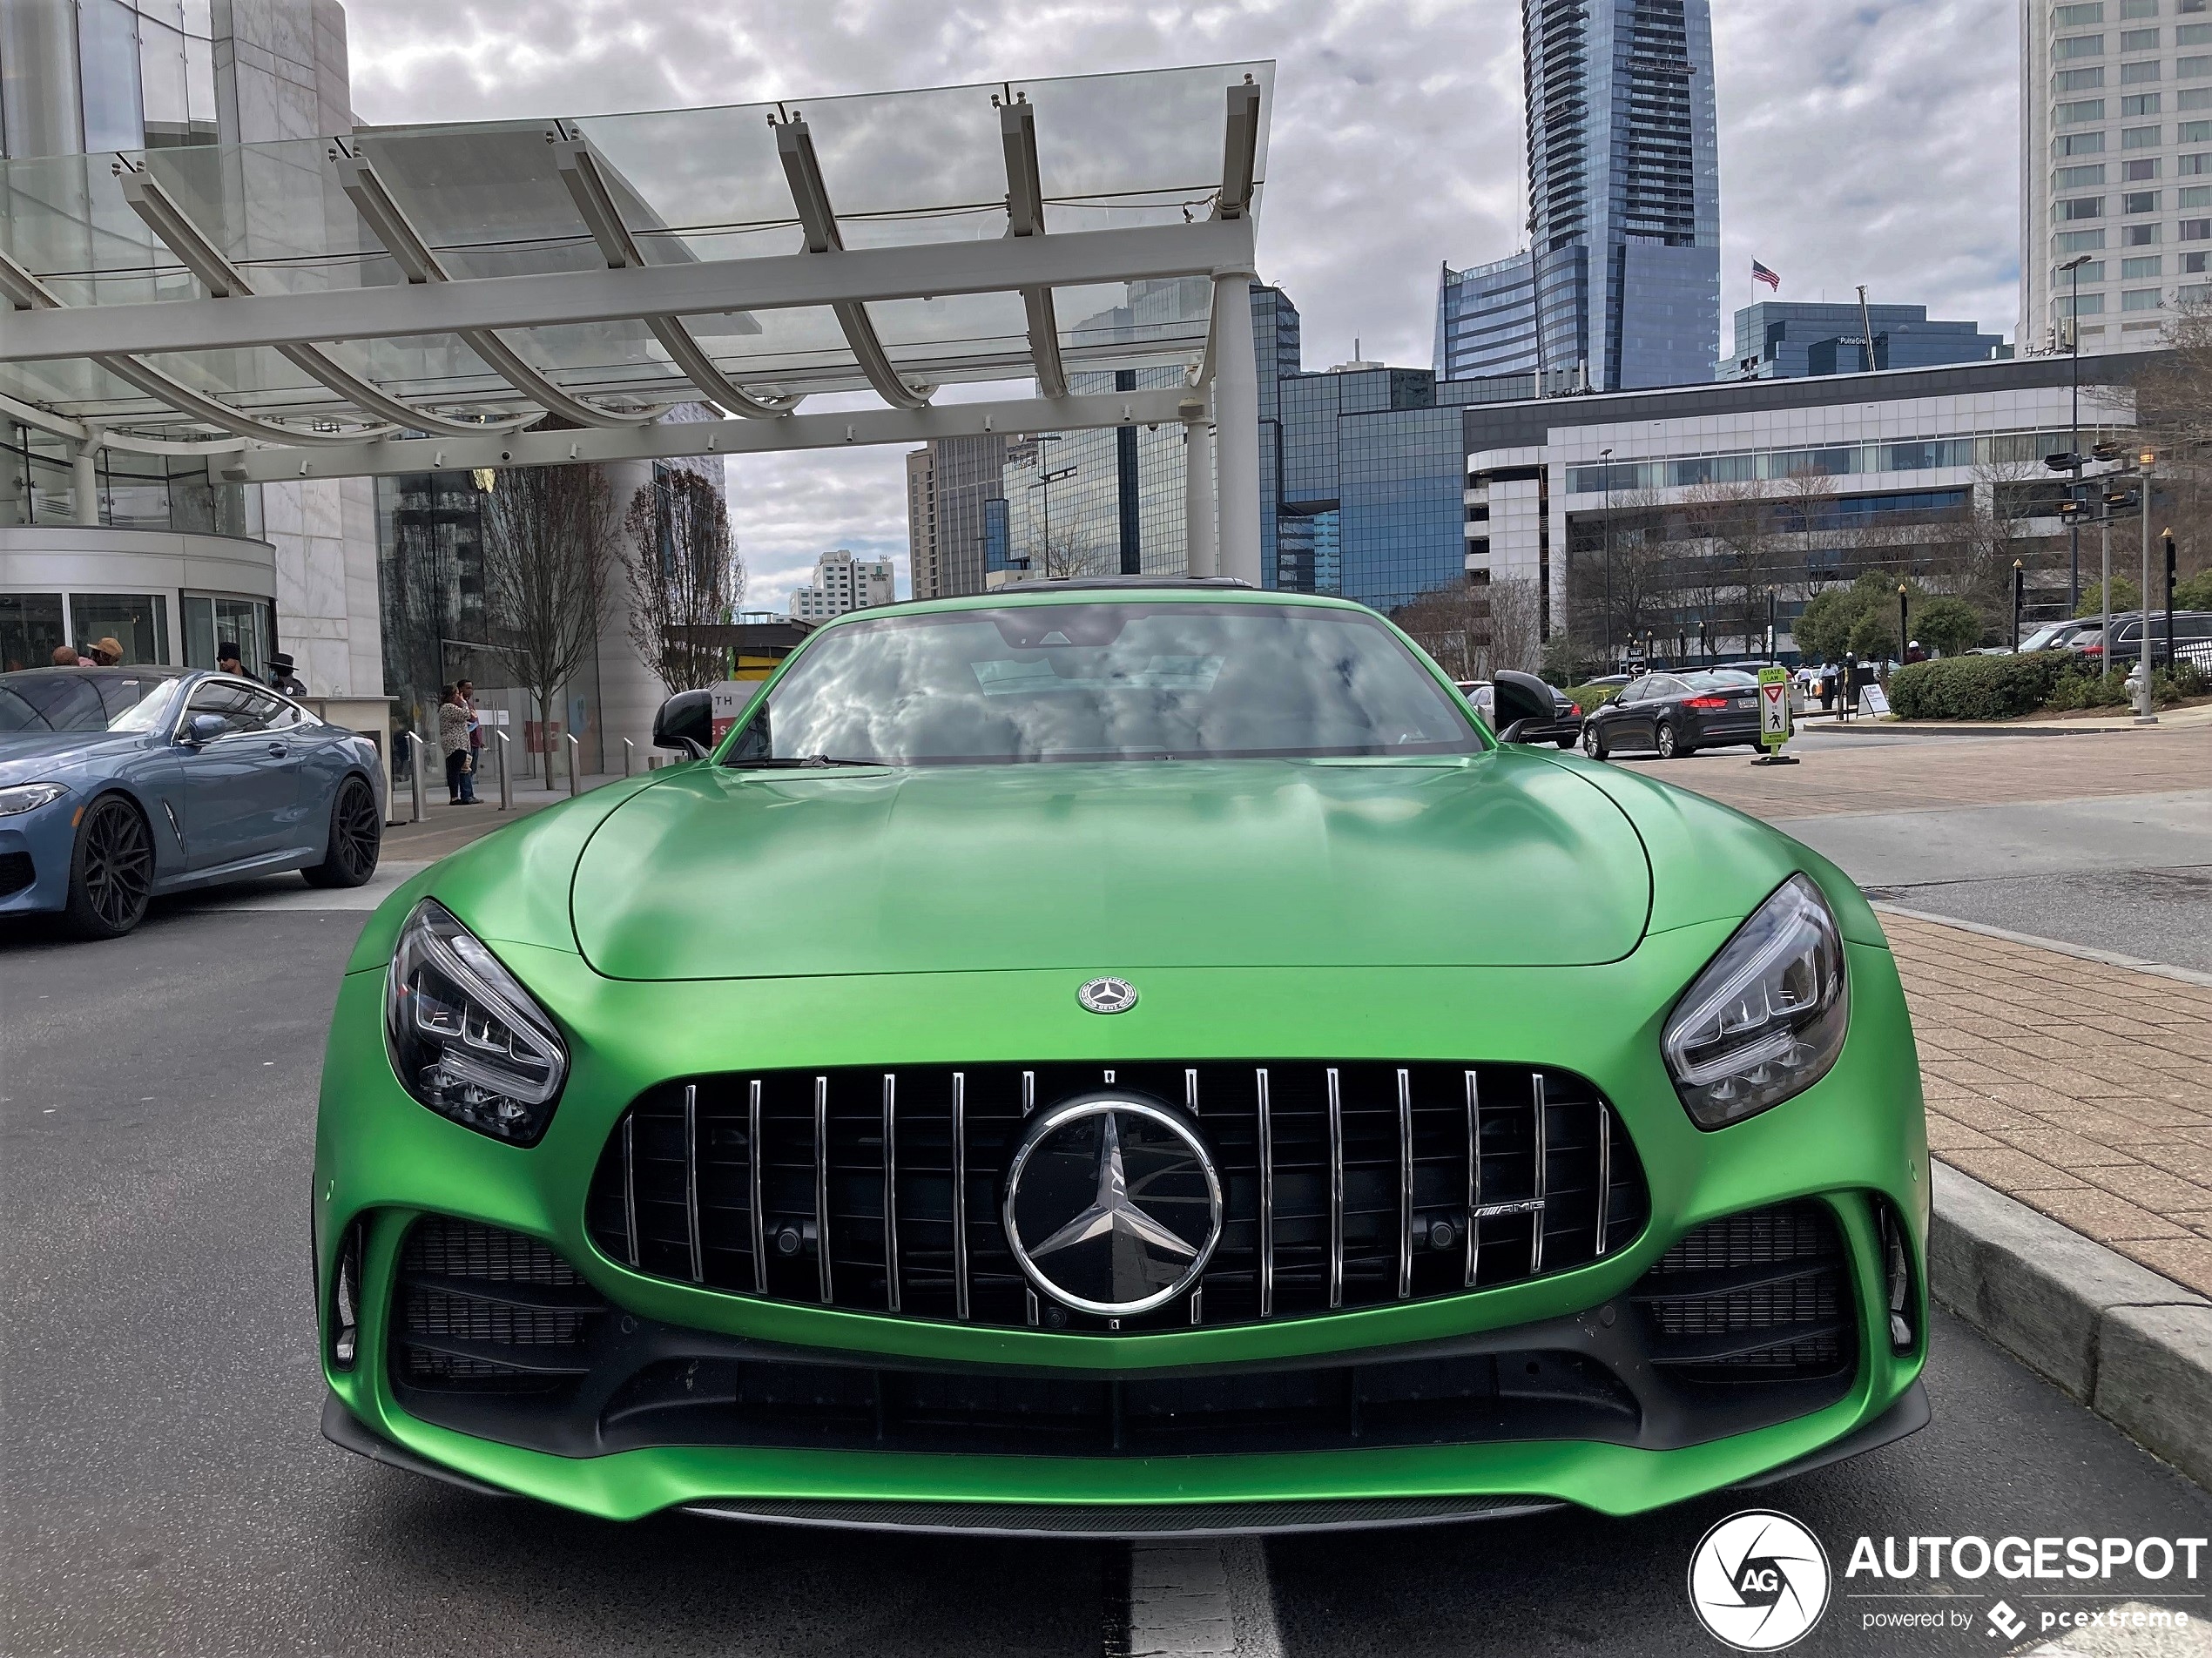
x,y
1120,1058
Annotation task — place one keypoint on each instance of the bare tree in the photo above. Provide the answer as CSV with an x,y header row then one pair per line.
x,y
549,554
1516,623
683,574
2173,410
1451,622
1065,556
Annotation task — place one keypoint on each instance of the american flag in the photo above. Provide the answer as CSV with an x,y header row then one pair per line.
x,y
1760,273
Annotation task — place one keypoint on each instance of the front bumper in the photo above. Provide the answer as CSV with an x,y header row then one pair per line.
x,y
1857,1136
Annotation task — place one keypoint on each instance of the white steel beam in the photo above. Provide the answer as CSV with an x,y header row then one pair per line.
x,y
28,297
584,171
818,220
1025,217
419,261
1239,152
223,280
549,298
673,438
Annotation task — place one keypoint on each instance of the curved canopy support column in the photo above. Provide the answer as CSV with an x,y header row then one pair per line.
x,y
223,280
583,172
795,144
419,262
26,293
1025,217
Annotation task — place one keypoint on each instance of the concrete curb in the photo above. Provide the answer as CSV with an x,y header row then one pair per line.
x,y
2057,946
2133,1346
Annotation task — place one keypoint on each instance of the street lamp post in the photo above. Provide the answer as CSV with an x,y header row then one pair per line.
x,y
2145,714
1044,482
1904,634
1605,469
2072,268
2019,595
2170,640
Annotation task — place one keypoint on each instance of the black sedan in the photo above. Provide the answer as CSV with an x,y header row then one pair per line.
x,y
1677,713
1561,729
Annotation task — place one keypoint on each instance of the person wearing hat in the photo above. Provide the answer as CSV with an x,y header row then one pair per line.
x,y
108,652
227,657
282,677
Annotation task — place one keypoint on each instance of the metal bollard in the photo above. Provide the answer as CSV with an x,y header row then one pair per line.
x,y
415,774
506,780
629,757
576,753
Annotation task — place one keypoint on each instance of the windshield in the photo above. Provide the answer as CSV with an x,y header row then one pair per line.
x,y
70,699
1130,681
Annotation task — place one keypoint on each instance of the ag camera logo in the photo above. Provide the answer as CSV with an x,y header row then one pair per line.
x,y
1759,1581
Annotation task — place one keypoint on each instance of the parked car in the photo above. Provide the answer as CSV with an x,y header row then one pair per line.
x,y
2192,638
1560,729
1674,714
120,784
1355,1120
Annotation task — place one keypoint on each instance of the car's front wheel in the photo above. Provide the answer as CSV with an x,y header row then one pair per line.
x,y
356,837
1564,741
111,871
1593,742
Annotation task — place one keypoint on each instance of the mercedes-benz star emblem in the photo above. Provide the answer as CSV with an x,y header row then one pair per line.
x,y
1108,995
1113,1205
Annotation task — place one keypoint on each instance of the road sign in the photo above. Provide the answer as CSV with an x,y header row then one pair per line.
x,y
1774,706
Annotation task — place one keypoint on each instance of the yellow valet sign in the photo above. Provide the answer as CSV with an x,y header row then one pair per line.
x,y
1774,716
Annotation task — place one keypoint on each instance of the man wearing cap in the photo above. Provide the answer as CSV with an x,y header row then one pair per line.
x,y
227,657
282,677
108,652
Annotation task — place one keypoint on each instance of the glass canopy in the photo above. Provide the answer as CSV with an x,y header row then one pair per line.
x,y
1113,153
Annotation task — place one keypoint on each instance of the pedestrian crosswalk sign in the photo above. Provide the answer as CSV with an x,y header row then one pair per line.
x,y
1774,706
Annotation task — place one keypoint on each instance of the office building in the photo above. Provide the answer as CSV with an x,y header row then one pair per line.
x,y
1485,320
843,583
949,481
2116,100
1693,515
167,562
1781,340
1623,190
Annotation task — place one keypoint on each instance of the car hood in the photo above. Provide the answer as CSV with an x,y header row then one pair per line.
x,y
27,757
1497,859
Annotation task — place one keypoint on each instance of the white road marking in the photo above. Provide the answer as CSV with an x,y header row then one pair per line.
x,y
290,893
1202,1600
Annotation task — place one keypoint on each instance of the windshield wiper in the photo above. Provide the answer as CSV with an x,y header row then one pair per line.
x,y
804,762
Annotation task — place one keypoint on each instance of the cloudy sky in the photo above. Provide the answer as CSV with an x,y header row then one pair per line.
x,y
1875,142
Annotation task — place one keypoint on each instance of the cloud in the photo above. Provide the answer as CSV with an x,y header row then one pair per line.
x,y
1874,142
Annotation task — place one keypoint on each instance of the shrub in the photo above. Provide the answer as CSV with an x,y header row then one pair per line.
x,y
2194,593
2125,596
1590,698
2182,679
2077,689
1976,687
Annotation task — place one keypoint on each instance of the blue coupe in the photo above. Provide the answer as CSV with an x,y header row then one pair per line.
x,y
120,784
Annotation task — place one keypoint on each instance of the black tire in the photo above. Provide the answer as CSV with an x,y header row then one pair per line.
x,y
1669,745
356,837
111,871
1593,742
1564,741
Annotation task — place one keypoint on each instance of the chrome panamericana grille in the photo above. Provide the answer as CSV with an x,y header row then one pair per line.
x,y
1344,1186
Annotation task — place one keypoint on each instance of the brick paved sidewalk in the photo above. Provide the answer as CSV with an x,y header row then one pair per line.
x,y
2082,1089
1917,773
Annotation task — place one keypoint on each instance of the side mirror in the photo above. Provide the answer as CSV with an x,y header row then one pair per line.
x,y
204,729
686,721
1521,699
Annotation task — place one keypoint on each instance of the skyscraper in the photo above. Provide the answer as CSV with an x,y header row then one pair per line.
x,y
2118,169
1623,189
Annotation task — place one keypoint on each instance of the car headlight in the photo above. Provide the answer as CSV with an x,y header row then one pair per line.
x,y
1765,1019
29,797
466,1039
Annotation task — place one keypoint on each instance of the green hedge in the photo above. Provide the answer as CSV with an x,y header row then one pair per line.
x,y
1590,698
2004,687
1976,687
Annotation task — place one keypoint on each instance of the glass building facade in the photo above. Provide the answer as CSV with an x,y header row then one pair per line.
x,y
1624,190
1776,340
1485,320
1362,474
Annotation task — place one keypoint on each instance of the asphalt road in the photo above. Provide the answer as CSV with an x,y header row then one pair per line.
x,y
162,1487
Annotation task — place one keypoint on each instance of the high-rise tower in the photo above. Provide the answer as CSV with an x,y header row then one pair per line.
x,y
1623,189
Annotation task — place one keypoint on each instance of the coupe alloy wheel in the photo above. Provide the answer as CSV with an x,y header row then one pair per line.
x,y
113,878
356,837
